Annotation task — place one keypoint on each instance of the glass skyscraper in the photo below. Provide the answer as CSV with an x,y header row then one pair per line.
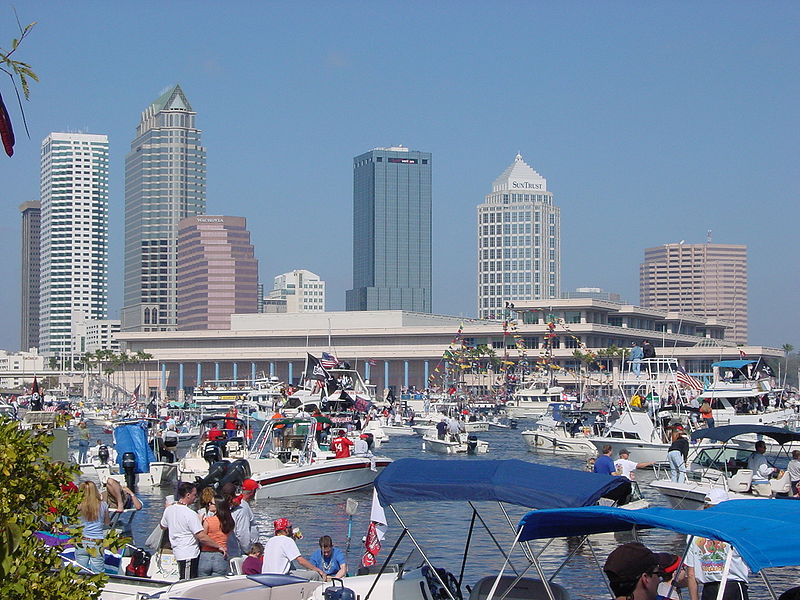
x,y
165,181
74,238
31,274
391,231
519,241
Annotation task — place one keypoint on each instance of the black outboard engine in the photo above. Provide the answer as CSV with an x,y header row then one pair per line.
x,y
472,444
238,471
216,473
370,440
212,452
103,454
129,468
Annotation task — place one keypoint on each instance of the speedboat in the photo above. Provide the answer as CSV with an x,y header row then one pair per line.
x,y
460,443
531,402
724,465
563,430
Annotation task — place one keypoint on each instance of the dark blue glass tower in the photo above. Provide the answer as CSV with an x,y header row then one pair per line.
x,y
391,231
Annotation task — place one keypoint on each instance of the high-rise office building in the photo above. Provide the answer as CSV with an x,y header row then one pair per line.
x,y
31,274
519,241
301,290
165,181
74,238
217,272
709,280
391,231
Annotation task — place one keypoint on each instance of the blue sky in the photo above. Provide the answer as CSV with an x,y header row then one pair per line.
x,y
652,122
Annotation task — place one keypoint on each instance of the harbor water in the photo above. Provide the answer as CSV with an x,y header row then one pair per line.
x,y
441,528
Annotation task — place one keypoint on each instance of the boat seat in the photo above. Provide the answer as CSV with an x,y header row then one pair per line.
x,y
235,565
781,485
740,482
525,589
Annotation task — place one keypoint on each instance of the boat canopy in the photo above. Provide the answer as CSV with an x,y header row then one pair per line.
x,y
756,528
512,481
732,364
723,433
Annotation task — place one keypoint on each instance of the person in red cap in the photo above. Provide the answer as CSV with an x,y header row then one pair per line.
x,y
281,549
673,576
341,445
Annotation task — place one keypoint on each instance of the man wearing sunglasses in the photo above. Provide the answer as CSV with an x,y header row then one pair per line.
x,y
634,571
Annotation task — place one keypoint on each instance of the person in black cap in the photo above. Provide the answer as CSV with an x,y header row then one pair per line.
x,y
634,571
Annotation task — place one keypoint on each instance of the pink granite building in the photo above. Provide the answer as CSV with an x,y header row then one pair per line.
x,y
217,272
709,280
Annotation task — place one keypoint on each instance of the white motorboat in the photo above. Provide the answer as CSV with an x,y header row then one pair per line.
x,y
461,443
214,444
531,402
398,430
473,426
724,465
563,430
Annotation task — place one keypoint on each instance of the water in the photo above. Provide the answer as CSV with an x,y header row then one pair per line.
x,y
441,527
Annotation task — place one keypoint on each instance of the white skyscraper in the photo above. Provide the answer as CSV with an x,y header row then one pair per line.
x,y
302,290
519,241
74,238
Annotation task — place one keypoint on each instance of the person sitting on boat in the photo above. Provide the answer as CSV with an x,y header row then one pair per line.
x,y
341,445
705,562
633,572
120,498
329,558
794,473
758,462
604,463
215,433
281,549
255,559
626,467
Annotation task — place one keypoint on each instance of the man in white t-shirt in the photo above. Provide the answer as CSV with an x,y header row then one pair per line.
x,y
281,549
186,532
626,467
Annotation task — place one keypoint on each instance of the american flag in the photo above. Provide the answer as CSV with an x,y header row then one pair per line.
x,y
372,362
329,361
135,396
742,354
687,380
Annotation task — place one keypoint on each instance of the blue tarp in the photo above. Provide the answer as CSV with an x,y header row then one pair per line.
x,y
132,437
733,364
723,433
759,529
512,481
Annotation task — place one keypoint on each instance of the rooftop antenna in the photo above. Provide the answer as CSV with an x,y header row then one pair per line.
x,y
708,236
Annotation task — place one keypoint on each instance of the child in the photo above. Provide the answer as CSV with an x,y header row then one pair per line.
x,y
252,564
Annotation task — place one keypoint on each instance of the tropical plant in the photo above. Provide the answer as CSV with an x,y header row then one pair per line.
x,y
19,72
33,500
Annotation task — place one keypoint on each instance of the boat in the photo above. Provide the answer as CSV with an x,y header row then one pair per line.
x,y
531,402
216,396
461,443
227,446
564,430
724,465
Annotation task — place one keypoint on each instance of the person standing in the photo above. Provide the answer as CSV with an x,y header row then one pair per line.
x,y
93,514
330,559
83,442
604,463
648,351
341,445
636,358
441,429
626,467
186,532
705,562
217,525
676,456
281,549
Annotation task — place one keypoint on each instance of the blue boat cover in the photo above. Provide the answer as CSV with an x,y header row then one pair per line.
x,y
732,364
756,528
725,432
512,481
132,437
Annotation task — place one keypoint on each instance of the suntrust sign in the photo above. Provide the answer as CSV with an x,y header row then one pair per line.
x,y
527,185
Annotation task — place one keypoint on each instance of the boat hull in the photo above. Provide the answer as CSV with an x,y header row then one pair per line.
x,y
548,441
447,447
324,477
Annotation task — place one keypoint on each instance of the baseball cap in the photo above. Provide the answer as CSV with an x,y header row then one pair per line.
x,y
623,451
667,562
250,485
281,523
629,561
716,496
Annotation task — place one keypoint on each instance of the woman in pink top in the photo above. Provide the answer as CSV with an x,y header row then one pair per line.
x,y
217,525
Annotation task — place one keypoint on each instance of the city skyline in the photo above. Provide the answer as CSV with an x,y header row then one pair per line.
x,y
639,116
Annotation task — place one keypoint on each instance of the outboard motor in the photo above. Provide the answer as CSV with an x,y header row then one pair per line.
x,y
238,471
103,454
472,444
216,473
212,452
129,468
370,440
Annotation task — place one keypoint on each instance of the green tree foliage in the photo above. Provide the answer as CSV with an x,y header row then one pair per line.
x,y
31,499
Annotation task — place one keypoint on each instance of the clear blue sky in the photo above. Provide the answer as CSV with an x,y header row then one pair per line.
x,y
652,122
